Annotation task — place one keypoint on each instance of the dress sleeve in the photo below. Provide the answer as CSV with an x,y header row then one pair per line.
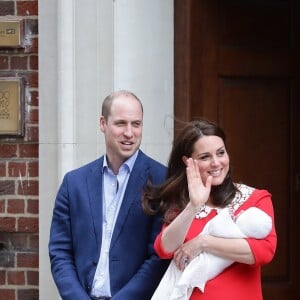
x,y
160,251
262,249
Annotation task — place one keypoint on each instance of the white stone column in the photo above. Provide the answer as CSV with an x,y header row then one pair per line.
x,y
144,63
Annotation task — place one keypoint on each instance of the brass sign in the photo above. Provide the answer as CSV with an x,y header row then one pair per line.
x,y
11,32
11,106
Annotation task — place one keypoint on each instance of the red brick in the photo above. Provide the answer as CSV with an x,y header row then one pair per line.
x,y
33,79
32,116
34,98
32,206
25,63
3,169
4,62
16,169
33,169
28,294
7,187
2,206
15,206
30,77
7,294
7,260
8,224
32,134
29,150
19,241
34,62
19,62
34,242
28,187
28,225
28,260
2,277
7,8
16,277
33,278
8,150
27,8
4,240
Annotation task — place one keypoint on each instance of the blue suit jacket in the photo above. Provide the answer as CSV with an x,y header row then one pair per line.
x,y
76,234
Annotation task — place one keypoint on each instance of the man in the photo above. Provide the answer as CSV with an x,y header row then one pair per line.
x,y
101,242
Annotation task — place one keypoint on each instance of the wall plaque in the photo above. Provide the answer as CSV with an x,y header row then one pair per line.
x,y
11,32
11,106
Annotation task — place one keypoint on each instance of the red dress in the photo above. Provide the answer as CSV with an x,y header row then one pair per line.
x,y
239,281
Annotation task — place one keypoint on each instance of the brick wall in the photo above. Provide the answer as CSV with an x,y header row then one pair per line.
x,y
19,167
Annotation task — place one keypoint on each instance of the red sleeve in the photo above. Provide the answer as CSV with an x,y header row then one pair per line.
x,y
262,249
160,251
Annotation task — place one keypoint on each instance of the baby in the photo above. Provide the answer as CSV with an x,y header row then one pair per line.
x,y
178,285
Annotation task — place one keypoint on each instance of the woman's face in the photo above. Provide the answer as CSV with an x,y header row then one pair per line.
x,y
212,158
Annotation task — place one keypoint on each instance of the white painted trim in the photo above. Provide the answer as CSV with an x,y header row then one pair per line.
x,y
66,86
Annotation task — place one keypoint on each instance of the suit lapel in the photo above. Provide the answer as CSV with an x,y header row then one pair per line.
x,y
94,182
133,193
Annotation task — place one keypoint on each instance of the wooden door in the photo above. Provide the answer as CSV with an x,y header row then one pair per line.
x,y
237,63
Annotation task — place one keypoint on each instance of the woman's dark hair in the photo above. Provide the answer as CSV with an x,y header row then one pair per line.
x,y
172,196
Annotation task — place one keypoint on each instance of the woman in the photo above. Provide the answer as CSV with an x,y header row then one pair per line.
x,y
198,187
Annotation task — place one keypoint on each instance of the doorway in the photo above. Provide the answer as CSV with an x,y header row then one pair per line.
x,y
237,63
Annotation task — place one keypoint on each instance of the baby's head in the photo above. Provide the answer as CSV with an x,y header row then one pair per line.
x,y
254,223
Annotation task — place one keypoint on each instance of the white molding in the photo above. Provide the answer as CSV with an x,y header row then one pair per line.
x,y
66,86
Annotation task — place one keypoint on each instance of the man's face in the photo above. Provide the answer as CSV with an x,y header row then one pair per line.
x,y
122,129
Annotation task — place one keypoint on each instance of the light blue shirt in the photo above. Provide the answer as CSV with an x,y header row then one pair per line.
x,y
114,187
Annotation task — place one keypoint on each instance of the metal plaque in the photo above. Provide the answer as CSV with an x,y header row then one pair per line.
x,y
11,106
11,32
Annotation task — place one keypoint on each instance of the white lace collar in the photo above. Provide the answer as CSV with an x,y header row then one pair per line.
x,y
239,199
